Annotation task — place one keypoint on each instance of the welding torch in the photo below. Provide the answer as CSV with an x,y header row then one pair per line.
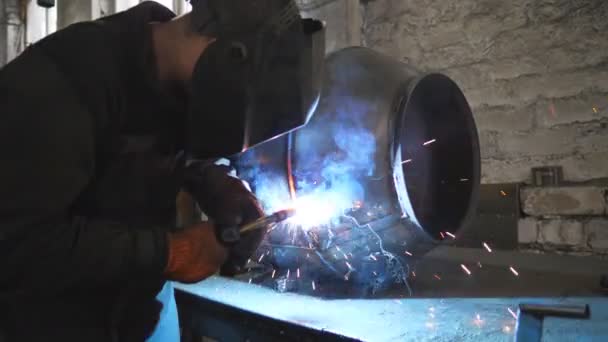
x,y
267,220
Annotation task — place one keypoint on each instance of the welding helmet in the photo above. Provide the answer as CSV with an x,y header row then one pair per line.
x,y
259,79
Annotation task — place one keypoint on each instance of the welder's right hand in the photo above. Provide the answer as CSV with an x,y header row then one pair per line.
x,y
223,198
194,254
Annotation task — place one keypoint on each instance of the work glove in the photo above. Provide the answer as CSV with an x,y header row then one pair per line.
x,y
194,254
229,204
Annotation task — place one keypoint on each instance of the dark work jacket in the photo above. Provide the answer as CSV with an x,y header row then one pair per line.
x,y
88,181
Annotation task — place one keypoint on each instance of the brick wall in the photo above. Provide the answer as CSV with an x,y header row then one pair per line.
x,y
535,73
570,219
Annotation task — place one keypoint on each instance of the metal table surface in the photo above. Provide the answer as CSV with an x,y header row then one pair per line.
x,y
407,319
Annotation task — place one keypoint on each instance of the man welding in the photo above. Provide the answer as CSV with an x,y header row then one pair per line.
x,y
102,124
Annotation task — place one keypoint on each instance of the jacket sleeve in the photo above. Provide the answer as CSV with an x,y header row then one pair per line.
x,y
47,144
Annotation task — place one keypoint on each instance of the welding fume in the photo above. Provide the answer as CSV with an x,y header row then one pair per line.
x,y
388,165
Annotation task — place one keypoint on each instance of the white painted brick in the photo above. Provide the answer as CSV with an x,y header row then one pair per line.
x,y
597,234
578,167
575,200
540,142
512,59
527,230
504,118
549,232
561,232
572,233
583,108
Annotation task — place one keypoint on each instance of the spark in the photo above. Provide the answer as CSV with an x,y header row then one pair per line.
x,y
450,235
338,248
514,271
552,109
373,257
408,253
487,247
261,257
349,266
595,110
432,315
432,309
346,276
274,272
437,276
406,161
298,272
464,179
478,321
442,236
502,192
512,313
414,273
288,273
429,142
314,288
464,268
250,279
307,255
375,273
506,329
479,264
248,261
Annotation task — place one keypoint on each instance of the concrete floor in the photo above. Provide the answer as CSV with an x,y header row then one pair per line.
x,y
457,307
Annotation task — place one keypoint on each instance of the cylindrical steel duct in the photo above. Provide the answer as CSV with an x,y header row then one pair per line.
x,y
423,165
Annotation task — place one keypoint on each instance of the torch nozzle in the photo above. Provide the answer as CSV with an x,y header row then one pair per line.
x,y
268,220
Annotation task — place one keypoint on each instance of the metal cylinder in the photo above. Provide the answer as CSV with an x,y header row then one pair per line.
x,y
406,140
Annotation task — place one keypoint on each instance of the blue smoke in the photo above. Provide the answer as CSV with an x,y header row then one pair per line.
x,y
333,158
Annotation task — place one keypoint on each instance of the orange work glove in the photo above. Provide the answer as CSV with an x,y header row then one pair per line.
x,y
229,204
194,254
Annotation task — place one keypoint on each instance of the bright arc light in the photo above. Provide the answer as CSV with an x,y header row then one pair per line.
x,y
318,209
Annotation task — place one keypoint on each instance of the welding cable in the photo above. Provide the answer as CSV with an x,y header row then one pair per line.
x,y
387,254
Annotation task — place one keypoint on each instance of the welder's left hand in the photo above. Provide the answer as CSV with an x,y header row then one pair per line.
x,y
229,204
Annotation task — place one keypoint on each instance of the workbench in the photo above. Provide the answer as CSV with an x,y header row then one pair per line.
x,y
230,310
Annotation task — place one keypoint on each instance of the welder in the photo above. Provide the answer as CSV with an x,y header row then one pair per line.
x,y
102,124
